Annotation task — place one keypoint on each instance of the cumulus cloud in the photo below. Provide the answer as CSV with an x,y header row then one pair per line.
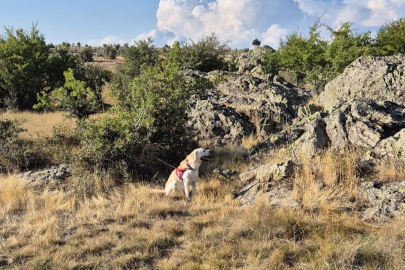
x,y
241,21
162,36
367,13
238,22
107,40
273,35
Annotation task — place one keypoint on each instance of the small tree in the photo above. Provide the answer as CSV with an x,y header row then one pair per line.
x,y
95,77
23,65
256,42
74,97
86,54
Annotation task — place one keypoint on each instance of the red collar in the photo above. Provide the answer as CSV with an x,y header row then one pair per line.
x,y
180,172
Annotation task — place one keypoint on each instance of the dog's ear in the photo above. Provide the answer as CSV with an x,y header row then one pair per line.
x,y
192,159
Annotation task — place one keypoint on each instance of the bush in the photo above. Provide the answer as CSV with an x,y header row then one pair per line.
x,y
23,67
391,38
59,63
110,51
86,54
314,59
150,117
74,96
95,78
205,55
15,154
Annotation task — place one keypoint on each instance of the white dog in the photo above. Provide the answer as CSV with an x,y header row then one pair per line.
x,y
187,173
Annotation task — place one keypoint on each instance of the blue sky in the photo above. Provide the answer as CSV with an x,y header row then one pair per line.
x,y
95,22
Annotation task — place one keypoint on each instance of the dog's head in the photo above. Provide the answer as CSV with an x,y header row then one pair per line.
x,y
198,155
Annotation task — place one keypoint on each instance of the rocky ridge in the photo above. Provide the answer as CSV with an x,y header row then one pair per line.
x,y
363,108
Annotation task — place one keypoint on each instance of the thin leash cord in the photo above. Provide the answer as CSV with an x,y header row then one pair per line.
x,y
162,161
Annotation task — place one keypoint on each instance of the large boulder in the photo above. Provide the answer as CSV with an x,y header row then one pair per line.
x,y
265,181
267,172
217,124
375,79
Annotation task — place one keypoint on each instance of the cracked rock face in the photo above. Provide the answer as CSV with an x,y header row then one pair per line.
x,y
265,181
241,105
368,78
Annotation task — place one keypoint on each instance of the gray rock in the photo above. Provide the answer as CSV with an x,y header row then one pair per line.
x,y
285,202
267,172
392,147
274,195
225,173
314,139
44,177
336,130
242,104
385,201
368,78
362,135
250,60
217,124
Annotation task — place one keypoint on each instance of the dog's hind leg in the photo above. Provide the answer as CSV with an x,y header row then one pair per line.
x,y
170,188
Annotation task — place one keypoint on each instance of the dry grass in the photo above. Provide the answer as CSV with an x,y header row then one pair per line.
x,y
328,181
135,227
391,170
38,124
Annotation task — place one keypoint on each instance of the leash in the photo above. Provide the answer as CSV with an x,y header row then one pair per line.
x,y
162,161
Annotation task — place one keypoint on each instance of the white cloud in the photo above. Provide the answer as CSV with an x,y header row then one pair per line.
x,y
241,21
162,36
273,35
107,40
367,13
236,21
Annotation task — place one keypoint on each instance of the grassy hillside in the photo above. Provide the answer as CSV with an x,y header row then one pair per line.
x,y
135,227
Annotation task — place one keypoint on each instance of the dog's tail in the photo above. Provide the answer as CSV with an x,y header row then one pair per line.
x,y
158,191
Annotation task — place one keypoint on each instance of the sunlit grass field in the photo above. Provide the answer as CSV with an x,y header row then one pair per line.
x,y
135,227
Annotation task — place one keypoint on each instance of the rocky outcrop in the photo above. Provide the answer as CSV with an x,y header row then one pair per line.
x,y
242,104
368,78
248,61
41,178
266,181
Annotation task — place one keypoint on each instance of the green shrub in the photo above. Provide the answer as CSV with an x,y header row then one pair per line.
x,y
23,67
16,154
391,38
315,60
142,53
207,54
150,117
80,101
86,54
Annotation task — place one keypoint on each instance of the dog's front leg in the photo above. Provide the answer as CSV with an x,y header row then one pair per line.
x,y
194,188
187,191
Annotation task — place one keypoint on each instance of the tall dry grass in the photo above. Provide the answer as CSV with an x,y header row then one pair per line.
x,y
328,181
38,124
135,227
